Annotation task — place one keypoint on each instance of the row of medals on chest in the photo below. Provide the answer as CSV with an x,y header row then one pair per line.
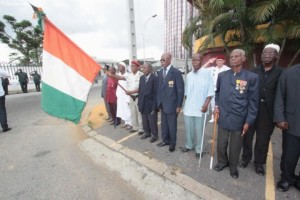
x,y
240,85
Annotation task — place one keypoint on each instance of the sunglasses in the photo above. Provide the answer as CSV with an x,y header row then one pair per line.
x,y
163,60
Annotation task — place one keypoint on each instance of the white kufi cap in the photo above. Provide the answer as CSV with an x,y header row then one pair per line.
x,y
273,46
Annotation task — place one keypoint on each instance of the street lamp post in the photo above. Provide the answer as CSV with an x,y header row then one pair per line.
x,y
144,33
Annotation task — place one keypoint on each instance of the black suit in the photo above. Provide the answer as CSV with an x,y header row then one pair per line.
x,y
147,104
287,109
263,125
169,97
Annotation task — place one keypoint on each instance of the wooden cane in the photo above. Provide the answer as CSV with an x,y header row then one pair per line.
x,y
213,143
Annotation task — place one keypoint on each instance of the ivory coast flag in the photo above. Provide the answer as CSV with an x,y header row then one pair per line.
x,y
68,74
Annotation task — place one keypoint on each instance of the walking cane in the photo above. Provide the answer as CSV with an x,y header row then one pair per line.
x,y
202,139
213,143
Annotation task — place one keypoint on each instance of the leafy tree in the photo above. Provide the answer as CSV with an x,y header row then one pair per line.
x,y
247,23
24,38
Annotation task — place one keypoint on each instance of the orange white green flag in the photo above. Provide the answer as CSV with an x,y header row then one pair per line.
x,y
68,74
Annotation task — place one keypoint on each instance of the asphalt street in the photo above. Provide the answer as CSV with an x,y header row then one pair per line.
x,y
41,158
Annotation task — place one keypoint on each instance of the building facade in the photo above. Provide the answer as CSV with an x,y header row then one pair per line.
x,y
176,15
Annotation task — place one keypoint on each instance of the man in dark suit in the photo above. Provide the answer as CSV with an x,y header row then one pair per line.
x,y
147,102
23,79
268,74
236,108
287,116
170,95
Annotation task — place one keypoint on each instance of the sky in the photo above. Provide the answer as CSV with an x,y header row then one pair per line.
x,y
99,27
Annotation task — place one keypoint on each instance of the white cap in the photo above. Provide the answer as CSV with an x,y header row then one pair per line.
x,y
122,63
273,46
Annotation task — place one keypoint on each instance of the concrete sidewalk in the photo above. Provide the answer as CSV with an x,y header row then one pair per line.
x,y
181,169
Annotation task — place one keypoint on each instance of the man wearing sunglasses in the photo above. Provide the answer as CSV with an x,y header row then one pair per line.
x,y
169,100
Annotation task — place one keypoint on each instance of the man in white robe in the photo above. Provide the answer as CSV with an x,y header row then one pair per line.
x,y
123,110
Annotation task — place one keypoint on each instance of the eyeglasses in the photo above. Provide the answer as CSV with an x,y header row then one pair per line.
x,y
268,53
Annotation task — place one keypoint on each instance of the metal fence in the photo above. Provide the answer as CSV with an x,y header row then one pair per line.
x,y
11,69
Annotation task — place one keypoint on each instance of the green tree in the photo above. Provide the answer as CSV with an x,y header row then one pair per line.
x,y
24,38
247,23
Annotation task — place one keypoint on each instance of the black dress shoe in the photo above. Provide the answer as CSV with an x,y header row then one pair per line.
x,y
172,148
297,185
198,155
145,136
243,164
161,144
234,174
141,133
260,170
219,167
153,140
283,186
132,131
184,149
6,129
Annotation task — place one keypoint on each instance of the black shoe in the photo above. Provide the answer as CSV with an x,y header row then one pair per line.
x,y
6,129
153,140
283,186
161,144
132,131
202,154
184,149
112,123
243,164
234,174
141,133
145,136
297,185
172,148
260,170
219,167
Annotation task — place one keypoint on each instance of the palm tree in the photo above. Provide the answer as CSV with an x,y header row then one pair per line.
x,y
247,24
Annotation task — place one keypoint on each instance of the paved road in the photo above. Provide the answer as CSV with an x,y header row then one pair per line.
x,y
41,159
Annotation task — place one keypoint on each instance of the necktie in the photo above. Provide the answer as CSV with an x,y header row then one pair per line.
x,y
165,73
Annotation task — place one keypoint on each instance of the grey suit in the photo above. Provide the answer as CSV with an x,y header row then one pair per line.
x,y
287,109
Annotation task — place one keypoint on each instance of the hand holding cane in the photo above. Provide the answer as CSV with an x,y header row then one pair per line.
x,y
213,142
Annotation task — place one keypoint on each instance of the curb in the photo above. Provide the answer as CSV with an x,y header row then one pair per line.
x,y
156,166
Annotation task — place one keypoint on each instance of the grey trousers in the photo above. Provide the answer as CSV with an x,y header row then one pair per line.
x,y
234,140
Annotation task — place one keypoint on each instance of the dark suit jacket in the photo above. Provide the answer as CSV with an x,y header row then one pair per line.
x,y
268,89
237,108
147,94
287,100
170,91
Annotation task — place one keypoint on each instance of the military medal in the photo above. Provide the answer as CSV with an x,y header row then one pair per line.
x,y
241,85
237,84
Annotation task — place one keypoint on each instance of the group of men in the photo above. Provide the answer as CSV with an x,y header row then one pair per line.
x,y
23,80
246,102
